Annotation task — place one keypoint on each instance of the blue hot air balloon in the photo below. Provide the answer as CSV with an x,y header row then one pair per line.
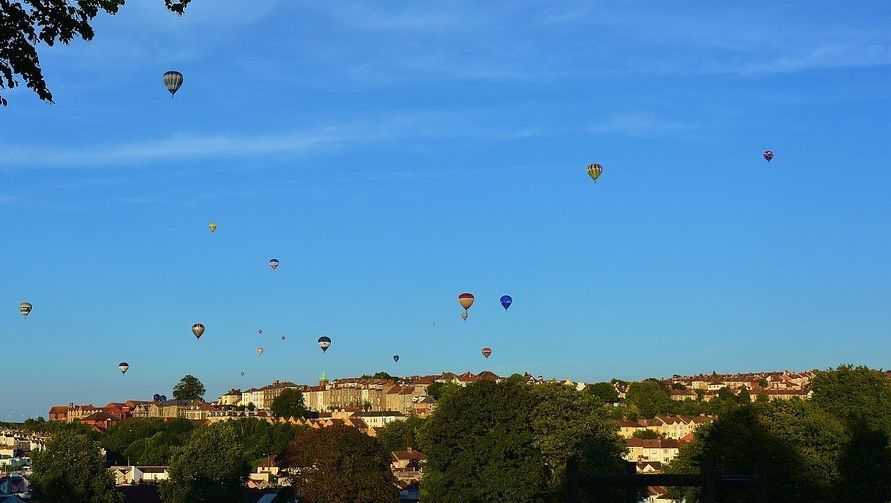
x,y
324,343
157,397
506,301
396,358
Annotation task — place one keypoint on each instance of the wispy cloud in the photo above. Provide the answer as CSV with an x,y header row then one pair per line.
x,y
640,125
326,138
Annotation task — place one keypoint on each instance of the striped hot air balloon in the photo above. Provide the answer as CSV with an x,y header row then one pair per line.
x,y
173,80
273,264
123,367
486,352
324,343
198,330
466,300
594,171
25,309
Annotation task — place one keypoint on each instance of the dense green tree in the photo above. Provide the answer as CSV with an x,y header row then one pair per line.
x,y
569,424
210,468
763,383
649,398
260,439
744,397
24,24
340,464
678,386
794,443
649,434
71,470
865,467
509,441
149,441
378,375
435,390
288,404
41,425
762,397
605,391
189,388
479,446
400,435
858,395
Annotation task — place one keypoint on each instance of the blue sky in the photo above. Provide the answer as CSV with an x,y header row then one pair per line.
x,y
395,154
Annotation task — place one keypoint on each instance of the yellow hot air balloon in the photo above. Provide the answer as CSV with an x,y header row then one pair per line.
x,y
25,309
212,226
198,330
594,171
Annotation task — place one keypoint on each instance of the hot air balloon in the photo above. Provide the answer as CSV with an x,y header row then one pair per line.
x,y
156,397
163,398
464,316
273,264
594,171
466,300
324,343
396,358
260,331
212,226
506,301
123,366
198,330
242,373
768,155
486,352
283,338
260,351
25,309
173,81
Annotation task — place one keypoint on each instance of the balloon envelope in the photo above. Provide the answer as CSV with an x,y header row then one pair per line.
x,y
260,331
123,367
506,301
283,337
273,264
198,330
324,343
466,300
260,351
25,309
464,316
486,352
173,80
768,155
156,397
395,358
212,226
594,171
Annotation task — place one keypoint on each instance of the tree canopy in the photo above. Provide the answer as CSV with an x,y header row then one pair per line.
x,y
25,24
71,470
340,464
400,435
604,391
509,441
189,388
809,452
210,468
148,441
288,404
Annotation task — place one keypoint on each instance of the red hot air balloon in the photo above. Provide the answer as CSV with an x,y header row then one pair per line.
x,y
768,155
486,352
